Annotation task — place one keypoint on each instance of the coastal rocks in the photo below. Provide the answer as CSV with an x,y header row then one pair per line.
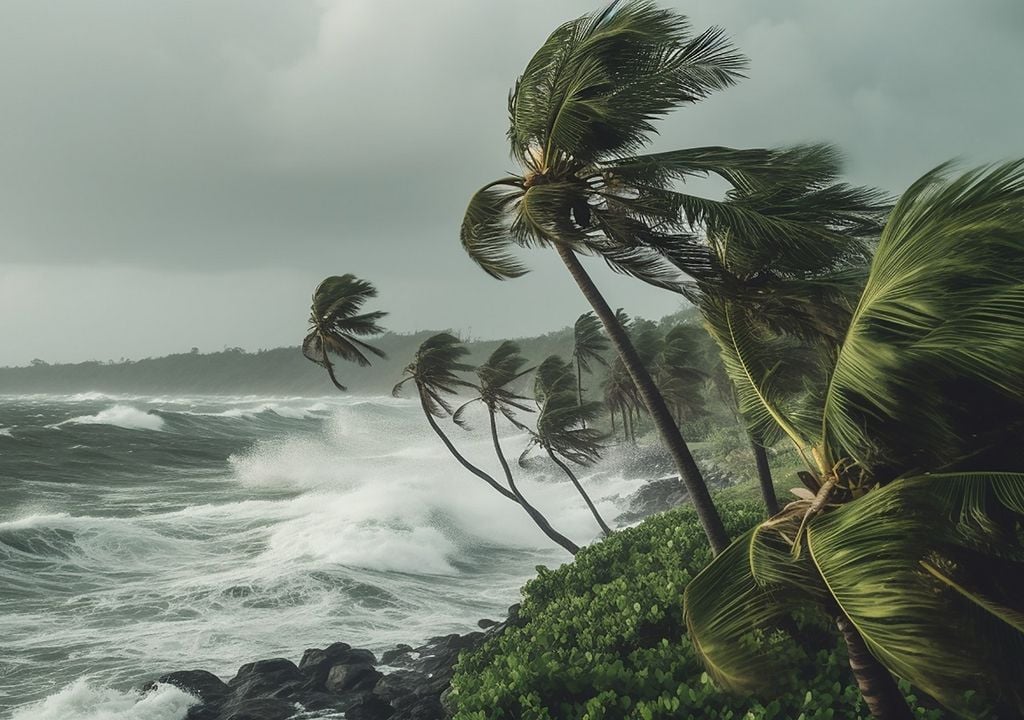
x,y
336,679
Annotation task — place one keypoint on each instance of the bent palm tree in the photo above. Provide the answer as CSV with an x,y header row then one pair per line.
x,y
588,346
336,323
581,110
502,368
562,433
907,533
434,371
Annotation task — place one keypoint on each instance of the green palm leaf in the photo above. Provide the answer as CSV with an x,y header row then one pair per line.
x,y
435,371
336,323
926,377
589,342
898,565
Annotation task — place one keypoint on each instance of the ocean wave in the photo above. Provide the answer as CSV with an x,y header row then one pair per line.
x,y
80,700
6,431
122,416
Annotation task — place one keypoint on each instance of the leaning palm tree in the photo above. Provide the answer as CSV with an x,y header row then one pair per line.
x,y
434,371
562,433
336,323
503,368
580,112
589,344
907,533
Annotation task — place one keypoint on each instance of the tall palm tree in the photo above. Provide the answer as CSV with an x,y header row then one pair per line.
x,y
434,371
496,375
562,433
579,113
676,369
589,344
907,532
336,323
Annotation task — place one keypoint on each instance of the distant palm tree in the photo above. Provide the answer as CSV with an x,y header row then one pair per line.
x,y
589,344
676,368
336,323
561,433
553,375
434,371
496,375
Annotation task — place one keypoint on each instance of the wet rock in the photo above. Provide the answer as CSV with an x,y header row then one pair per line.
x,y
257,709
206,686
314,657
275,678
484,623
354,677
397,657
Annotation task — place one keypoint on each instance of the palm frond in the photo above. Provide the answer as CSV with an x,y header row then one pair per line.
x,y
589,341
553,375
435,370
898,567
336,323
594,87
485,230
927,376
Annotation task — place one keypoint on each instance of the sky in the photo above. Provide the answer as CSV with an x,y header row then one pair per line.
x,y
183,173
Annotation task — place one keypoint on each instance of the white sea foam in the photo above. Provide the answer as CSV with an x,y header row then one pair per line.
x,y
123,416
6,432
82,701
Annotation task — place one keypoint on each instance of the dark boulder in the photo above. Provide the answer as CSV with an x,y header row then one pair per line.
x,y
257,709
354,677
397,657
275,678
314,657
209,688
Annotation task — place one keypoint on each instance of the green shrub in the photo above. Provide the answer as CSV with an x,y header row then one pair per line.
x,y
602,637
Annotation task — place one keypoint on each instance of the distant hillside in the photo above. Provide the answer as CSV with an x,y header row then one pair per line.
x,y
281,371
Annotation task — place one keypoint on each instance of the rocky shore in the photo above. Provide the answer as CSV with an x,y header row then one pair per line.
x,y
405,683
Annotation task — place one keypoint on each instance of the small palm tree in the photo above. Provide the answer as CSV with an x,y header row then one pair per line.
x,y
336,323
589,345
503,368
562,433
434,371
907,533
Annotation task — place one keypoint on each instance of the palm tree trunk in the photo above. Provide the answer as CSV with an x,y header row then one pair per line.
x,y
579,386
689,473
534,514
579,488
764,475
464,462
877,685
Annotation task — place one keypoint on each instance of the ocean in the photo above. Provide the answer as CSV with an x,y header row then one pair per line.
x,y
141,535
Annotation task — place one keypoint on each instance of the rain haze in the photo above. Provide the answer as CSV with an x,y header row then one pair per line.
x,y
182,174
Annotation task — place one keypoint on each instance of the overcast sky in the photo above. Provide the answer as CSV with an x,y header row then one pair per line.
x,y
183,173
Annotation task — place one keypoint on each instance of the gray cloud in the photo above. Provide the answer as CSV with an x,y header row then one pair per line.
x,y
239,150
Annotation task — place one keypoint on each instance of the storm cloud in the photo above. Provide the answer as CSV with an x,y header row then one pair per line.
x,y
183,173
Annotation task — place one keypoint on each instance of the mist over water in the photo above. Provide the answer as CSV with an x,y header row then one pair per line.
x,y
142,535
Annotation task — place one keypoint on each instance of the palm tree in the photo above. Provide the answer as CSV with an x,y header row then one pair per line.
x,y
434,371
675,367
579,113
562,432
502,368
336,323
906,533
589,344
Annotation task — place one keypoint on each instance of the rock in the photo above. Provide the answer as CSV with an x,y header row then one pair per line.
x,y
653,497
369,707
257,709
275,678
352,678
315,656
397,657
484,623
209,688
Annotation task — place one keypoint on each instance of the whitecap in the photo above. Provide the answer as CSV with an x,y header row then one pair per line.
x,y
80,700
123,416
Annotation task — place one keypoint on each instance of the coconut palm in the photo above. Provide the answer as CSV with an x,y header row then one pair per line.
x,y
553,375
434,371
589,344
562,433
676,369
503,368
336,323
907,531
580,113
